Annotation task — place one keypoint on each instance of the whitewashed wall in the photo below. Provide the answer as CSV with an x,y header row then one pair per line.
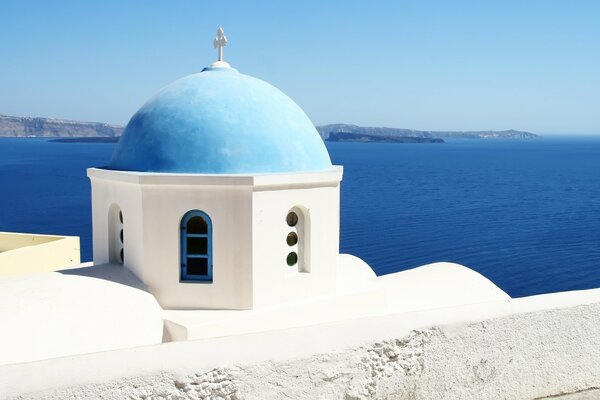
x,y
528,348
318,208
249,230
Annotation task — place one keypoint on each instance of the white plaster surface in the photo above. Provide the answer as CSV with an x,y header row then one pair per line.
x,y
248,214
516,356
359,294
54,314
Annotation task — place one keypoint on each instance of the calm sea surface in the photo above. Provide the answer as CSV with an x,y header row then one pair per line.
x,y
526,214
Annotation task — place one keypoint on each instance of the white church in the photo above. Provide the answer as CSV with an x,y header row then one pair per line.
x,y
220,195
218,216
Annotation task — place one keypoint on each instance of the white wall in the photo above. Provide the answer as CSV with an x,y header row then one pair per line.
x,y
229,208
523,349
317,205
52,314
153,206
249,230
110,195
359,294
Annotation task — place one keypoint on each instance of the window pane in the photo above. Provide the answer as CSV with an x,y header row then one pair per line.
x,y
197,245
292,218
292,259
292,239
197,266
197,225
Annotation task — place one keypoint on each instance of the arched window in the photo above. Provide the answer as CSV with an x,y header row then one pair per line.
x,y
116,253
298,239
196,247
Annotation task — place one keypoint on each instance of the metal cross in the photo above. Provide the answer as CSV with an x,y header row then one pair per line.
x,y
220,42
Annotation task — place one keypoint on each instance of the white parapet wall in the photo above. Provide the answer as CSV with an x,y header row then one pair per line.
x,y
524,348
25,253
59,314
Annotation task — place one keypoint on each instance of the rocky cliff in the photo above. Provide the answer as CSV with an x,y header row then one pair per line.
x,y
49,127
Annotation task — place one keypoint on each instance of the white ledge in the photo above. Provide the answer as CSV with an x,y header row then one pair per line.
x,y
329,177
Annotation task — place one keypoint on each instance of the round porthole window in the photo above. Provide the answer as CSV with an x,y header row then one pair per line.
x,y
292,259
292,218
122,259
121,235
120,216
292,239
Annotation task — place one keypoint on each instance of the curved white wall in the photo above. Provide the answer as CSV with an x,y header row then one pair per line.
x,y
52,314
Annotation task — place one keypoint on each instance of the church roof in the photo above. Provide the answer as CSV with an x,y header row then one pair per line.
x,y
220,121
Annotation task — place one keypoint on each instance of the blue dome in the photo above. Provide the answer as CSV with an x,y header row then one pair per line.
x,y
219,121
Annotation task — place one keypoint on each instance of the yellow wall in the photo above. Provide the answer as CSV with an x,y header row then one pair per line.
x,y
24,253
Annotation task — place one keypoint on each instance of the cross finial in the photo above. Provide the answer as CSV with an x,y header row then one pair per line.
x,y
220,42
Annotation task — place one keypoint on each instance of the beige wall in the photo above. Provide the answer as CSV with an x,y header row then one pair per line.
x,y
24,253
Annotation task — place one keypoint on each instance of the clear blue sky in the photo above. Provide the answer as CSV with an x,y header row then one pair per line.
x,y
459,65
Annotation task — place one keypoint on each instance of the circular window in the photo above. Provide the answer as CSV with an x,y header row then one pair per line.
x,y
292,218
292,238
292,259
122,255
121,235
121,216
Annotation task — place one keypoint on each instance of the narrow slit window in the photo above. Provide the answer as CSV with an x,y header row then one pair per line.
x,y
196,247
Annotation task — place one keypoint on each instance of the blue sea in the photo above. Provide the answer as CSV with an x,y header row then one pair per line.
x,y
526,214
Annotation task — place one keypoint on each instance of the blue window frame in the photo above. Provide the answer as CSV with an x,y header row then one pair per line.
x,y
196,247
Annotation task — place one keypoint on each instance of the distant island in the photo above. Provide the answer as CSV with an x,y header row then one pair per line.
x,y
103,139
359,137
50,127
59,128
338,129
